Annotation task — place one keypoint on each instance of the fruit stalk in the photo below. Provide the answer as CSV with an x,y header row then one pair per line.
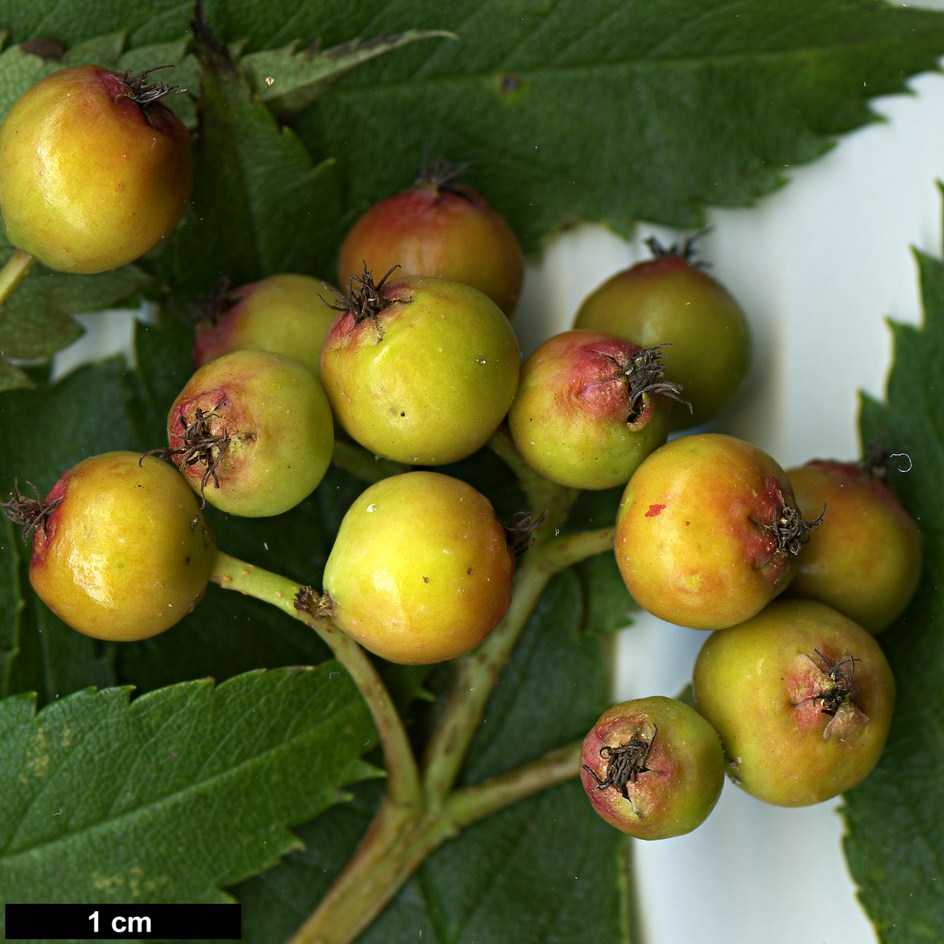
x,y
475,675
401,838
402,776
13,271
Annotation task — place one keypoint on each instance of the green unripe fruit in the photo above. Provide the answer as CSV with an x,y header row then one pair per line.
x,y
252,432
420,571
420,370
284,314
802,698
94,171
123,552
652,767
669,299
865,559
589,408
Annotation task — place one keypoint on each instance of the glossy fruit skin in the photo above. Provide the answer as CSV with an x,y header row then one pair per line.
x,y
280,429
694,539
670,300
572,418
420,571
86,183
684,765
284,313
127,553
429,379
761,685
865,560
449,233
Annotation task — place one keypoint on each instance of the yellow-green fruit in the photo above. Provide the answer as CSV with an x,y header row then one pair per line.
x,y
802,698
266,431
865,558
670,300
89,178
704,531
421,370
125,552
420,571
652,767
284,313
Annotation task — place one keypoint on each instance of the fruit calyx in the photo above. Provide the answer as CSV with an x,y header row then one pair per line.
x,y
841,675
143,92
625,762
686,251
519,531
831,692
200,444
441,175
791,530
29,513
364,298
645,376
209,308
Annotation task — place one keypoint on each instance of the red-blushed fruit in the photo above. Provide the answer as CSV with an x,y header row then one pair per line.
x,y
802,698
284,313
94,171
420,571
252,432
441,229
707,531
865,560
420,370
652,767
670,299
121,550
589,408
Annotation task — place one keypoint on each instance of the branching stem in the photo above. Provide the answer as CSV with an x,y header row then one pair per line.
x,y
422,809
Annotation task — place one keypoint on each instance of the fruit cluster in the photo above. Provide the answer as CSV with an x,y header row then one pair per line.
x,y
417,362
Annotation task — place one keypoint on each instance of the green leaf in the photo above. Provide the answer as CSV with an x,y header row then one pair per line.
x,y
895,841
260,203
11,602
289,80
175,795
638,110
608,606
37,321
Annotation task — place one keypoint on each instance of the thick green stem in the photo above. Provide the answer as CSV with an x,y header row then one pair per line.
x,y
475,675
401,838
469,804
15,269
403,785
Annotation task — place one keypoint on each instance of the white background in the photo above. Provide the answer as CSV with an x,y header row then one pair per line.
x,y
818,266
